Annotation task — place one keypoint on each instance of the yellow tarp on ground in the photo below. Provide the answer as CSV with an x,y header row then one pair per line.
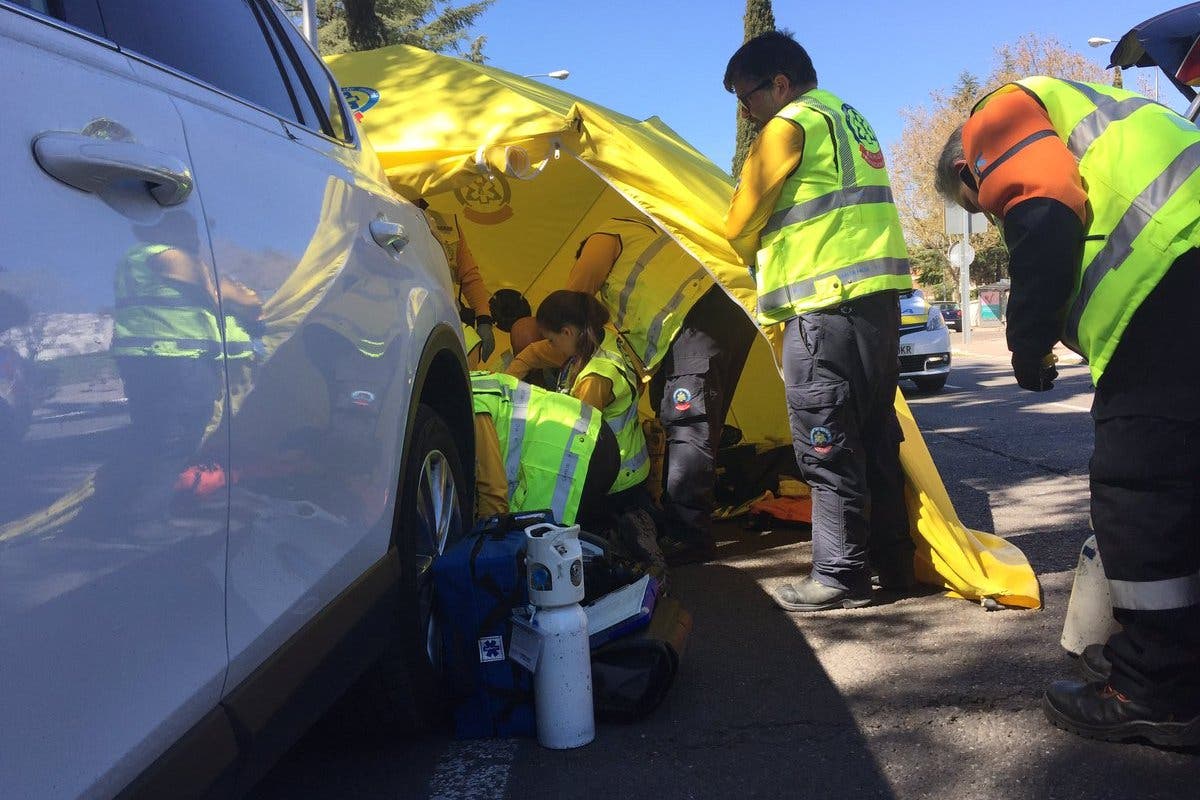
x,y
530,171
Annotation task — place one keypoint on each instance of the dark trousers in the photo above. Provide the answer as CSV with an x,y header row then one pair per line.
x,y
693,390
602,470
840,369
1145,482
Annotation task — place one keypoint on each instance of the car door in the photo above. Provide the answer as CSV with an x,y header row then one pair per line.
x,y
291,200
112,571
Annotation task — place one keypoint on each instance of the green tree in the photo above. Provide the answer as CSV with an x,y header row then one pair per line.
x,y
347,25
759,18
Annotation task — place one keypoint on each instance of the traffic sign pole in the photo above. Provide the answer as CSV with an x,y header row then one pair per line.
x,y
964,278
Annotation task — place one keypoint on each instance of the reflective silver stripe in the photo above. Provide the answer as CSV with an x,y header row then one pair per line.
x,y
1108,111
636,272
672,305
570,463
841,198
802,290
845,154
516,435
1156,595
206,345
152,302
635,463
1120,240
487,384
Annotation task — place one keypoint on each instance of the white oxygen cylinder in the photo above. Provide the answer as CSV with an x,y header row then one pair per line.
x,y
1089,611
562,682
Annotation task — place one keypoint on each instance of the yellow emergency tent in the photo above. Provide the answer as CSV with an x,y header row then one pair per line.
x,y
530,171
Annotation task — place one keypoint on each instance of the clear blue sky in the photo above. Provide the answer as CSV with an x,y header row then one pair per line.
x,y
666,57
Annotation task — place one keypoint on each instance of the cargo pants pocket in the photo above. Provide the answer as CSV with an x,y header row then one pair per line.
x,y
685,391
817,413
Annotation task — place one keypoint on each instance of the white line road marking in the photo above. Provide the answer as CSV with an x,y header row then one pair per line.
x,y
474,770
1068,405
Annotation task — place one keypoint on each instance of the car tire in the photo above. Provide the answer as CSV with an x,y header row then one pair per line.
x,y
932,384
403,693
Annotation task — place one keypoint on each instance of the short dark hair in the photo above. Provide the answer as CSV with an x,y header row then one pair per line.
x,y
770,54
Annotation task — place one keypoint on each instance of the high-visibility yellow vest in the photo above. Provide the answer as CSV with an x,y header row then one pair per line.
x,y
621,415
834,233
651,288
238,344
157,317
1140,164
471,337
546,442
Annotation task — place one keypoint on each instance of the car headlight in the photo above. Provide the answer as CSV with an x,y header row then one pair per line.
x,y
935,320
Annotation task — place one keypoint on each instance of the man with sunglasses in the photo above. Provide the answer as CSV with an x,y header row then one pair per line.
x,y
1095,190
813,218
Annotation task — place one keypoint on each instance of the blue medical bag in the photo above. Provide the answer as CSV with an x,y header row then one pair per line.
x,y
478,583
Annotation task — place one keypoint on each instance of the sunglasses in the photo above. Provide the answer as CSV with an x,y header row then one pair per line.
x,y
744,99
967,177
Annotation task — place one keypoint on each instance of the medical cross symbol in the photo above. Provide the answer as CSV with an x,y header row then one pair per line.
x,y
491,648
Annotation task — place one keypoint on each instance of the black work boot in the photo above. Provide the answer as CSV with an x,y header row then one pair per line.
x,y
1097,711
809,595
1093,665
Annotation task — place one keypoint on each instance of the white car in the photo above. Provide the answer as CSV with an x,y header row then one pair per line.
x,y
253,432
924,343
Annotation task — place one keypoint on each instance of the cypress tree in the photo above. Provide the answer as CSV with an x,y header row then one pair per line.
x,y
759,18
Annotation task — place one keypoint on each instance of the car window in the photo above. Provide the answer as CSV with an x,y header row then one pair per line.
x,y
220,42
83,14
320,90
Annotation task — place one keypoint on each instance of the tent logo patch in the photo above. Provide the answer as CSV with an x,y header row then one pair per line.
x,y
822,439
683,399
486,199
361,99
864,134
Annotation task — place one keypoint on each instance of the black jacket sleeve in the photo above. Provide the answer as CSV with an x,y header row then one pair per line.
x,y
1045,242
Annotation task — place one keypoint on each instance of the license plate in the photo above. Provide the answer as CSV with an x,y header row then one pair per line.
x,y
906,349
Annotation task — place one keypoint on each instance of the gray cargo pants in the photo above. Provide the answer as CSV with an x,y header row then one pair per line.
x,y
840,368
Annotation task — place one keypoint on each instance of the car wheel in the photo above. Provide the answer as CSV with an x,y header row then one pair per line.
x,y
403,692
933,384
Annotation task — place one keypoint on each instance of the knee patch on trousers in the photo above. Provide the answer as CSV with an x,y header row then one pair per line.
x,y
817,415
685,392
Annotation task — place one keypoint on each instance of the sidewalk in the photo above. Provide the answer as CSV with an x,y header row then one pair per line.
x,y
989,342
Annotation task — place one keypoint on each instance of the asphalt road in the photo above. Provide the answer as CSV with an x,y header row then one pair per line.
x,y
920,697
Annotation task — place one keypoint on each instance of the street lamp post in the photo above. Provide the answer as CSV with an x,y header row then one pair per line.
x,y
558,75
1100,41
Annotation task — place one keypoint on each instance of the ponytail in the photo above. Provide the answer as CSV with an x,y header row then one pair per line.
x,y
582,310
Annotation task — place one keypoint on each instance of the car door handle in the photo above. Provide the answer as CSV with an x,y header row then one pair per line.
x,y
389,235
92,164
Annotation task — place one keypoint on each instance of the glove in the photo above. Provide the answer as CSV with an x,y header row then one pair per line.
x,y
483,326
1035,373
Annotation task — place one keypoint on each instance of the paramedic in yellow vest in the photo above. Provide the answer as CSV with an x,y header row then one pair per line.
x,y
536,449
476,317
167,337
690,337
1095,190
597,373
813,219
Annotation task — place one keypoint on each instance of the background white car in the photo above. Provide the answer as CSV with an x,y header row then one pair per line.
x,y
924,343
254,430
